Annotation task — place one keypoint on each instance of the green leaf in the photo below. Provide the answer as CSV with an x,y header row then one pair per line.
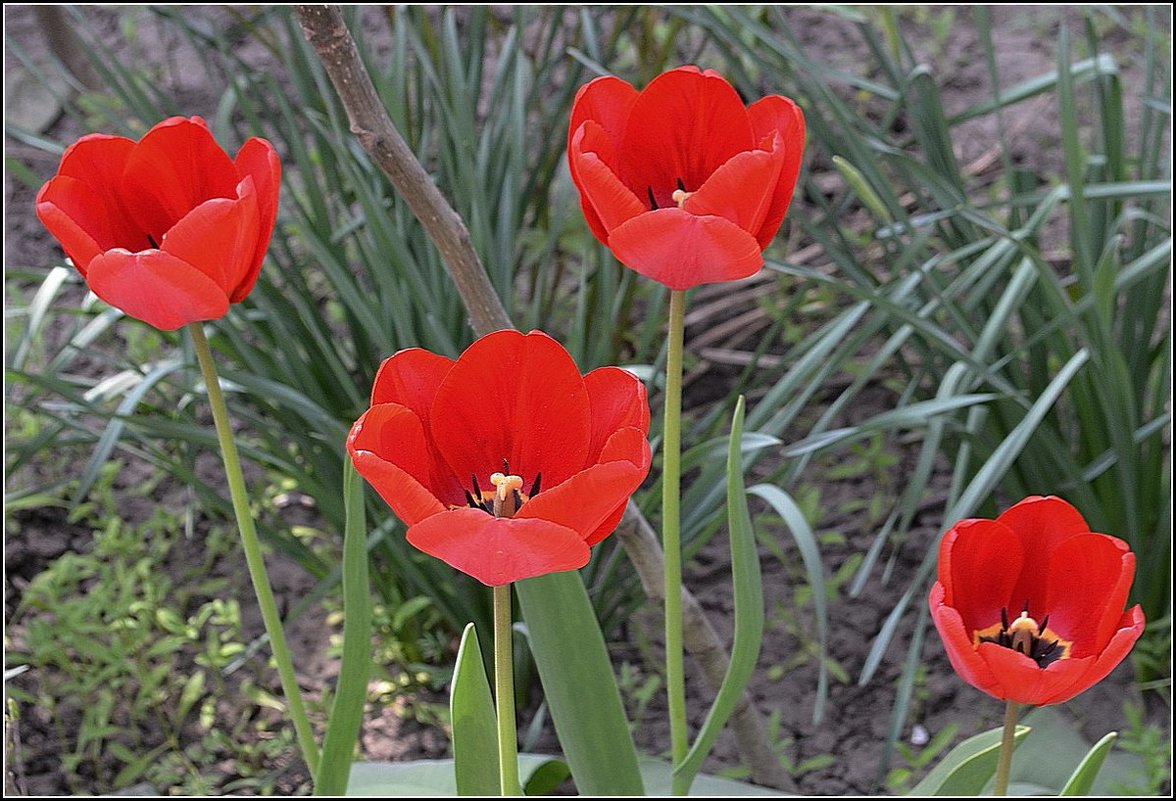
x,y
658,776
1054,753
351,690
1084,775
547,777
192,692
861,187
968,767
579,684
810,554
475,726
749,606
425,777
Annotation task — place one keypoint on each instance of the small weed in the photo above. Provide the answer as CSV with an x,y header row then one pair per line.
x,y
125,646
918,758
781,746
1153,746
638,690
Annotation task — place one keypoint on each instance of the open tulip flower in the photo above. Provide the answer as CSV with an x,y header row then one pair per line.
x,y
1030,605
169,229
682,182
507,463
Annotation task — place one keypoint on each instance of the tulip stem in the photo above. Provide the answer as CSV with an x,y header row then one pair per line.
x,y
252,548
508,750
1007,741
671,538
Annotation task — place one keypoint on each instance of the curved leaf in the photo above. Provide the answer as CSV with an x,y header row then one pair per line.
x,y
351,691
749,607
1084,775
579,685
474,721
968,767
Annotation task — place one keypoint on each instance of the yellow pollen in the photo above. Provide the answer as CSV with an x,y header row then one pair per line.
x,y
680,196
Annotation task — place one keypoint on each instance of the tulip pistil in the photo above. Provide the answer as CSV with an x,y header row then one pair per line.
x,y
1025,636
680,195
506,497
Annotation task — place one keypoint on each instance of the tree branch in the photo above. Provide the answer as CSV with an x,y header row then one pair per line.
x,y
324,28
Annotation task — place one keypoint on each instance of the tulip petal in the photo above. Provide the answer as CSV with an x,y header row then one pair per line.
x,y
498,551
611,521
957,643
979,561
607,203
85,189
780,115
1088,578
97,159
1130,626
586,500
387,445
156,287
217,237
683,126
740,190
617,400
411,377
74,213
682,251
1043,522
607,101
513,397
175,167
258,160
1026,683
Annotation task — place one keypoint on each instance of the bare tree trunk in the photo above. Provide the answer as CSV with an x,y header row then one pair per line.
x,y
324,28
65,44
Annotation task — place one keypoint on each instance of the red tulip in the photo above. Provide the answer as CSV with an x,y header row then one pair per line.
x,y
169,229
506,463
682,182
1030,605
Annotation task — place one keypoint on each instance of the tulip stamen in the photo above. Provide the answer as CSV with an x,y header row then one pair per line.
x,y
1025,636
151,241
505,498
652,200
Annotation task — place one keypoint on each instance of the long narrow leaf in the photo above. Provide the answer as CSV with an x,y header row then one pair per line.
x,y
351,691
474,721
1087,771
810,554
579,684
749,607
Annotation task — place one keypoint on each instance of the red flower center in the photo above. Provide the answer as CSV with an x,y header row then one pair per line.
x,y
1026,636
506,497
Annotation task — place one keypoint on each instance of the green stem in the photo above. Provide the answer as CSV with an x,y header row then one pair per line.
x,y
1005,761
252,548
671,538
508,750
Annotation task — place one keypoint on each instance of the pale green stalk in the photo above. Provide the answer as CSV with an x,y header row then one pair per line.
x,y
1005,761
671,539
508,753
252,548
